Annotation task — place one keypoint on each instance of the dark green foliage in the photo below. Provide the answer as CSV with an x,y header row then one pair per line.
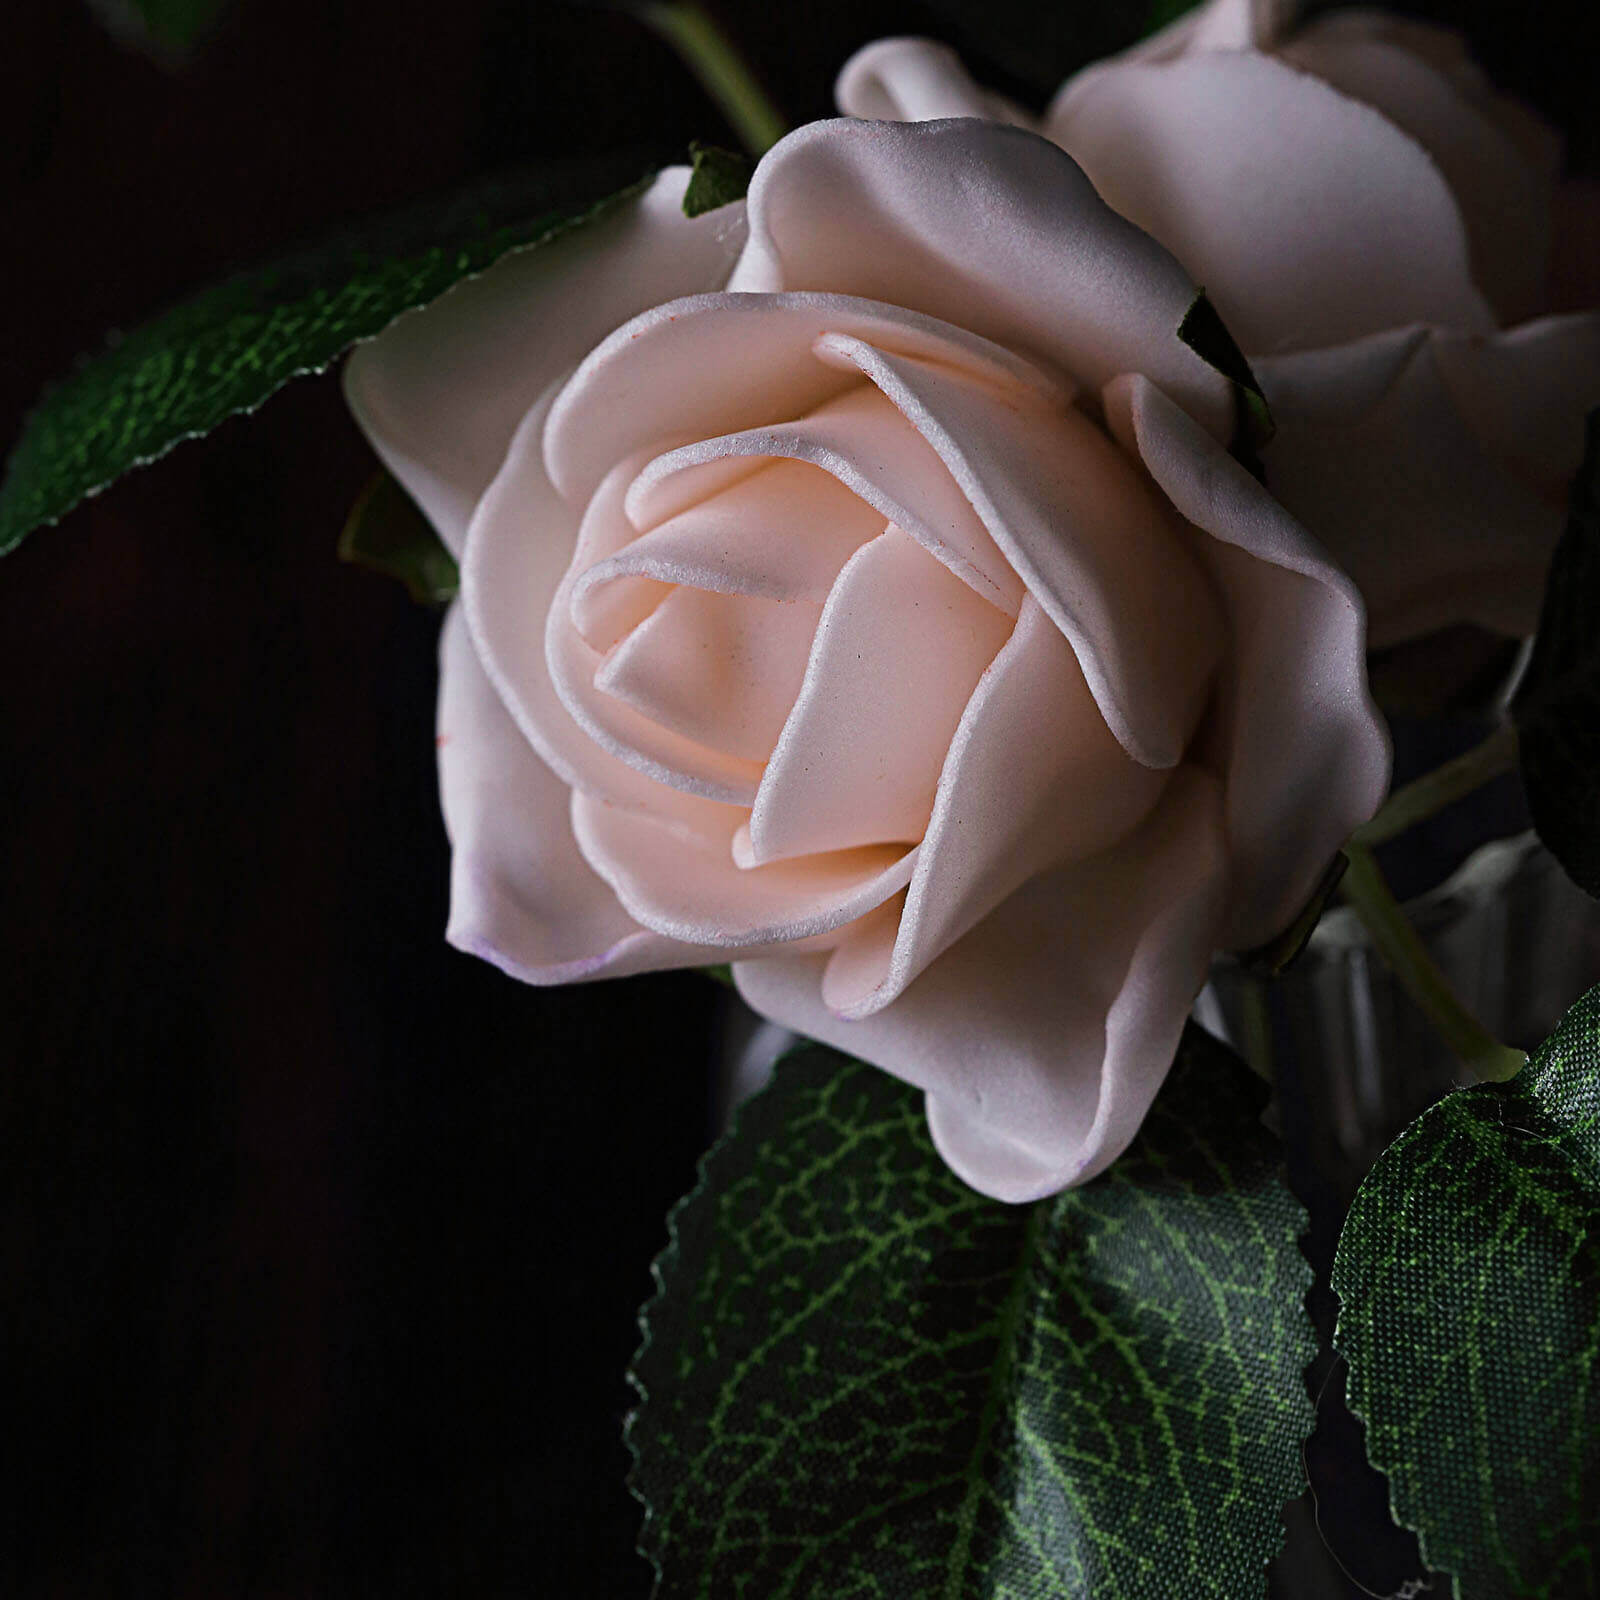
x,y
1557,708
1469,1276
385,532
228,349
860,1378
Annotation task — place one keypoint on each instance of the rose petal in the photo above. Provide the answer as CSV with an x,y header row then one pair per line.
x,y
1310,218
748,358
1434,467
782,533
521,894
519,545
720,669
916,80
1305,752
1446,51
863,441
1101,554
686,884
1043,1035
440,392
898,651
1524,394
1033,778
1505,202
983,226
637,740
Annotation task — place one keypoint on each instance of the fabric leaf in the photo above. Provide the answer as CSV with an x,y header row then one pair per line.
x,y
860,1378
1557,709
233,345
1469,1278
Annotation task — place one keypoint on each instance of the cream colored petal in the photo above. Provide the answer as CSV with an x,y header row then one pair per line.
x,y
916,80
520,543
656,752
1434,467
1043,1035
521,894
782,533
1303,749
900,647
1504,201
688,886
1103,556
711,364
1033,779
985,227
440,392
720,669
863,441
1309,217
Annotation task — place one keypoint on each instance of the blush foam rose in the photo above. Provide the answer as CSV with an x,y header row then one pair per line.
x,y
857,587
1374,224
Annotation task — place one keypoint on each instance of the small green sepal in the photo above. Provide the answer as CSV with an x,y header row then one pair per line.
x,y
385,532
718,178
1204,331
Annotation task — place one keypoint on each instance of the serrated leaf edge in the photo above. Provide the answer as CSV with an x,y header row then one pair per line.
x,y
1550,1053
311,370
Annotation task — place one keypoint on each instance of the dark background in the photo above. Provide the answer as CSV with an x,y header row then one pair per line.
x,y
322,1244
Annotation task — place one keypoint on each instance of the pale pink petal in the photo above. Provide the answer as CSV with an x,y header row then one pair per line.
x,y
1303,748
1309,217
900,647
916,80
687,885
720,669
574,667
1033,779
1524,394
712,363
440,392
1043,1035
865,442
1445,50
782,533
1434,467
1504,201
983,226
519,546
1103,556
521,894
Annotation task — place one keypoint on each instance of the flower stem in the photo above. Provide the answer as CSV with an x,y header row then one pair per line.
x,y
1407,957
1435,790
709,54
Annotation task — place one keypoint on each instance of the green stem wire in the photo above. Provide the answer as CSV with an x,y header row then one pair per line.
x,y
1435,790
1403,951
709,54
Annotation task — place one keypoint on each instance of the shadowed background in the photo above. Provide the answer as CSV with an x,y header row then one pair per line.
x,y
321,1244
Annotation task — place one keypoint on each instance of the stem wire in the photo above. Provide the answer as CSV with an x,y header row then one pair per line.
x,y
721,71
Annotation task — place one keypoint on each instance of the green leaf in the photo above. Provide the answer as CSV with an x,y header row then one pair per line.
x,y
1557,709
232,346
860,1378
1469,1276
1204,331
717,178
385,532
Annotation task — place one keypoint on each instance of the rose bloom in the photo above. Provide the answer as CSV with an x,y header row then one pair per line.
x,y
1375,225
857,587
